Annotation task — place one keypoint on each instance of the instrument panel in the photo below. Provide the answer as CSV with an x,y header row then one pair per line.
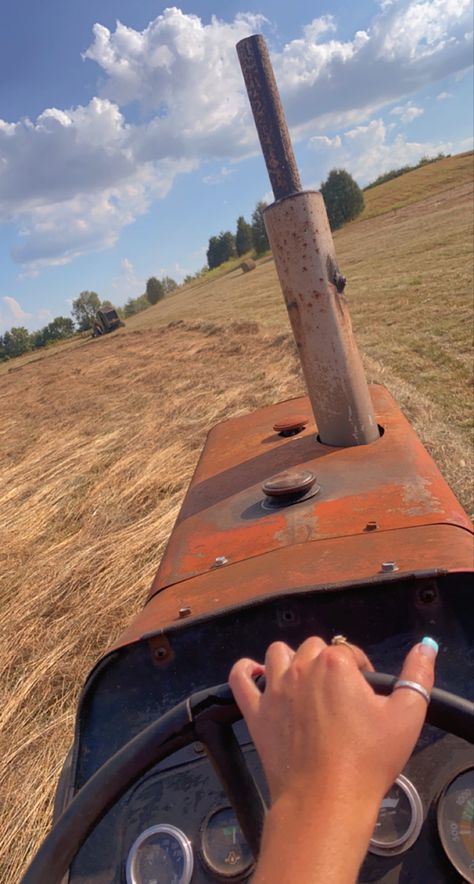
x,y
216,850
176,825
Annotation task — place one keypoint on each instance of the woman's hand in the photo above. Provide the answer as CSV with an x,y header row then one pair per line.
x,y
330,748
318,717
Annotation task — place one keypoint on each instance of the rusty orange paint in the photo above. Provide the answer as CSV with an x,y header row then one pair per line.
x,y
325,564
320,541
393,481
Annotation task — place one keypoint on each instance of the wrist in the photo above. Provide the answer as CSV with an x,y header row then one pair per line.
x,y
337,791
320,834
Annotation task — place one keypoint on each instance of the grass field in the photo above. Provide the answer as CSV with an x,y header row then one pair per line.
x,y
99,439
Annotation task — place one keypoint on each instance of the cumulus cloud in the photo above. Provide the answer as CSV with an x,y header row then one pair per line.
x,y
72,179
370,150
443,96
12,315
407,112
218,177
14,310
324,141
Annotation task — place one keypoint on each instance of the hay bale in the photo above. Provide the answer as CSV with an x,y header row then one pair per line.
x,y
248,265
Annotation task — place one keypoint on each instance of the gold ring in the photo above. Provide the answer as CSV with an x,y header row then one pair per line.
x,y
342,640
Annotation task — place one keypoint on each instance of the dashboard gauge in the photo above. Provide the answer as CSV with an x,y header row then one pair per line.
x,y
223,845
456,823
160,855
399,820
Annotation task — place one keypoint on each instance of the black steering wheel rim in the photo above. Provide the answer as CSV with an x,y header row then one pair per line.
x,y
207,716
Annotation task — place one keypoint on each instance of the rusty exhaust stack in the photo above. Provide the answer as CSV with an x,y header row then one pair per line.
x,y
301,241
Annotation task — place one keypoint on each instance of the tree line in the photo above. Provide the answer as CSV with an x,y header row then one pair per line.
x,y
84,309
247,237
344,201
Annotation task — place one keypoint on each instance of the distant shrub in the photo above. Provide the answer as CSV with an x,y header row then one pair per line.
x,y
15,342
243,236
259,232
220,249
343,198
135,305
154,290
84,309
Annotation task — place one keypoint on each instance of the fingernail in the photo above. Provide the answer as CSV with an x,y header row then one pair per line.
x,y
429,647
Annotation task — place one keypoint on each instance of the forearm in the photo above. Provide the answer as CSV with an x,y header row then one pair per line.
x,y
320,840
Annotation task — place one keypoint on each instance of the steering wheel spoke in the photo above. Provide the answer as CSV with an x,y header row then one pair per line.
x,y
228,761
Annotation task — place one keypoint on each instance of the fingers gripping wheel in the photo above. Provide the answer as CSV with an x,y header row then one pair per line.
x,y
207,716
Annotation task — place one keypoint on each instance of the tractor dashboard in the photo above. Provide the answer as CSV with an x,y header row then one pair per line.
x,y
177,818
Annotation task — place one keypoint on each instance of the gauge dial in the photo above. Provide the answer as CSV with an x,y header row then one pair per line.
x,y
160,855
224,847
399,819
456,823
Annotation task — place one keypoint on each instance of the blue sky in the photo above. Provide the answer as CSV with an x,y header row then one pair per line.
x,y
126,139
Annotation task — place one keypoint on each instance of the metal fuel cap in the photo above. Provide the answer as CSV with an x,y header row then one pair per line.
x,y
289,487
290,426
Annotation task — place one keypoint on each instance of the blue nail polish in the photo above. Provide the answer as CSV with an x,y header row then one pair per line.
x,y
430,643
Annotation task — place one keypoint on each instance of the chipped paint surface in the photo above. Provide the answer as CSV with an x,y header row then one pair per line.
x,y
321,543
315,566
393,482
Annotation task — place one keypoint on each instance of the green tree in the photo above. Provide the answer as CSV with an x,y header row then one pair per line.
x,y
259,233
220,249
38,339
343,197
16,341
213,253
3,355
84,309
154,290
107,305
135,305
60,327
169,284
243,236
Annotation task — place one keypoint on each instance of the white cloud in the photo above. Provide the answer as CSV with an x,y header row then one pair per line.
x,y
13,314
443,96
73,179
324,141
218,177
369,150
407,112
127,283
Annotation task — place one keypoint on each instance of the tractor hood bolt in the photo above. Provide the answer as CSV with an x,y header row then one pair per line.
x,y
389,566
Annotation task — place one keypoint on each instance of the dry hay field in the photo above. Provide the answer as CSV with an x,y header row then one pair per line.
x,y
99,438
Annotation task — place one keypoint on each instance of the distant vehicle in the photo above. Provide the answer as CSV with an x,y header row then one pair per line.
x,y
106,320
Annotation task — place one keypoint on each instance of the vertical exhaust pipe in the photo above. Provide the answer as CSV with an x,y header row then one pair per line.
x,y
303,249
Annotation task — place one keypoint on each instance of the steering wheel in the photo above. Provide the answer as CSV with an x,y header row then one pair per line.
x,y
206,716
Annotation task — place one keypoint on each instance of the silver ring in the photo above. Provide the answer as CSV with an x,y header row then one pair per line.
x,y
412,686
